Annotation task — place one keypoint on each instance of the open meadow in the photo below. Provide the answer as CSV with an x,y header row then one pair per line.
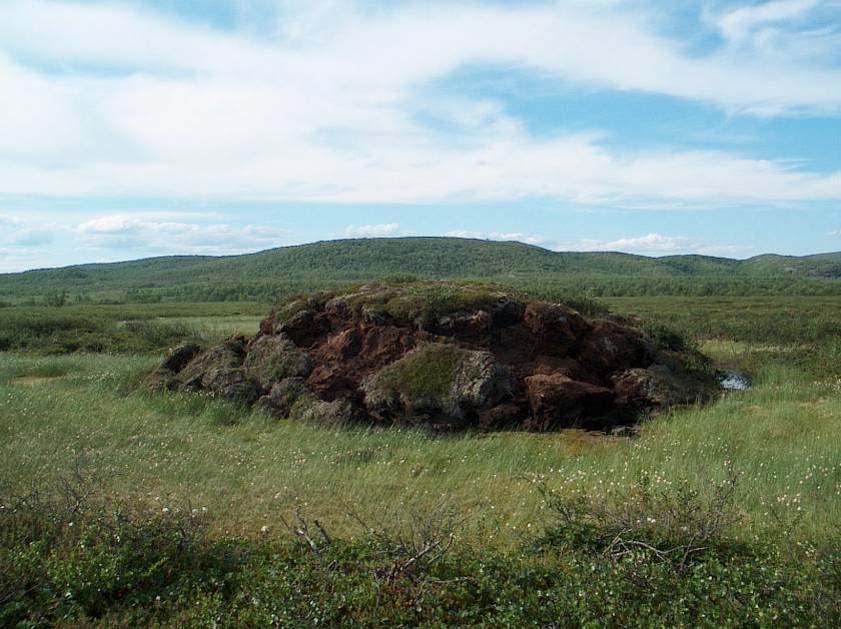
x,y
448,313
731,508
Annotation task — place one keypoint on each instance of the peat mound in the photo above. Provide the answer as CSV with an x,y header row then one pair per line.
x,y
443,355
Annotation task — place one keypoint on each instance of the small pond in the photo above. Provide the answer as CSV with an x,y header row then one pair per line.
x,y
734,381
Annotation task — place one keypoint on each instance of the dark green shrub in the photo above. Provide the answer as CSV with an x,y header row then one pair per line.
x,y
675,527
56,298
73,557
668,338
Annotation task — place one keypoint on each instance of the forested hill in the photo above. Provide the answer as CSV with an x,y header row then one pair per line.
x,y
269,274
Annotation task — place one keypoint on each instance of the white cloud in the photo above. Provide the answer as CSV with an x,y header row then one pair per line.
x,y
344,51
22,242
32,242
372,231
648,243
115,224
40,117
156,233
738,24
9,221
530,239
17,231
320,113
133,221
788,35
835,232
466,233
652,244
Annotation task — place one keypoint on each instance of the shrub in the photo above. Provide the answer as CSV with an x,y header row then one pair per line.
x,y
55,298
675,527
74,556
668,338
74,553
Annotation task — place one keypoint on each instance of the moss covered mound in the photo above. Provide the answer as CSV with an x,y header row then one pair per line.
x,y
444,354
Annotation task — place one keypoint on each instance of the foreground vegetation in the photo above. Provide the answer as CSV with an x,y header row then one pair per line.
x,y
122,565
123,507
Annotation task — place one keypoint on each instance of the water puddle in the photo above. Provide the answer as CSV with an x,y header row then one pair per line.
x,y
734,381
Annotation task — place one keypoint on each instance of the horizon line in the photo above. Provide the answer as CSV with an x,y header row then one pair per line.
x,y
449,238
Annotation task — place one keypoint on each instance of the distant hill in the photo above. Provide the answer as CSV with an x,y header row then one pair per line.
x,y
276,272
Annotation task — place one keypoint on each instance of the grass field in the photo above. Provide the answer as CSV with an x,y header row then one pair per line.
x,y
249,470
774,449
134,328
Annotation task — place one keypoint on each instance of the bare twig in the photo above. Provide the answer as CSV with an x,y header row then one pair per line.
x,y
406,566
301,530
324,536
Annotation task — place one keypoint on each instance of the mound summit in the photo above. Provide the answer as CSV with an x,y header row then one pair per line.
x,y
444,355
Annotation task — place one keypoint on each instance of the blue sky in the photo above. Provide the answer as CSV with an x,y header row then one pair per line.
x,y
137,128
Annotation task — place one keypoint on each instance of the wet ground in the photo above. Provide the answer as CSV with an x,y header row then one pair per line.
x,y
734,381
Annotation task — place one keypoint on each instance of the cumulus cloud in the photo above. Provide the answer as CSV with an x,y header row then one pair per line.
x,y
651,244
156,233
154,106
32,242
657,243
530,239
120,224
372,231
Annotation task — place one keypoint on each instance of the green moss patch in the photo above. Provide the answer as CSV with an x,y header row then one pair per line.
x,y
428,371
274,358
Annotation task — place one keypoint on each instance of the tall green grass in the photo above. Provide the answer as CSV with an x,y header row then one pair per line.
x,y
512,501
750,333
124,329
780,437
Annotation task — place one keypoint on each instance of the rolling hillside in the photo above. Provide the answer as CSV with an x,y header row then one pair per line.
x,y
275,272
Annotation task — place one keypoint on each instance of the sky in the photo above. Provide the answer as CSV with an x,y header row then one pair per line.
x,y
137,128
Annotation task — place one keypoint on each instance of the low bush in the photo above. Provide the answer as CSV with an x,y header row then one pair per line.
x,y
77,554
65,333
676,527
77,557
